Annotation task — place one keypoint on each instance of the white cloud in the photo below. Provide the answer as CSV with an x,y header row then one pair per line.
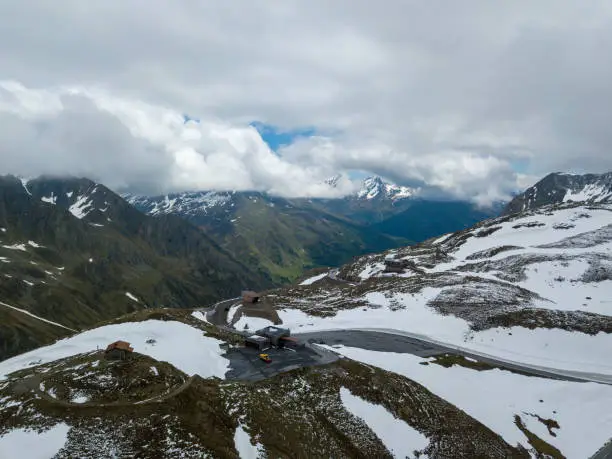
x,y
125,143
445,94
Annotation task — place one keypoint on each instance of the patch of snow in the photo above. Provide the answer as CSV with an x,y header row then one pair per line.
x,y
50,199
204,357
32,315
371,270
442,238
69,194
493,397
80,399
313,279
21,247
533,236
232,312
253,323
560,282
91,260
200,316
95,364
132,297
28,282
246,449
3,230
81,207
37,445
35,245
398,437
24,183
591,192
154,371
97,225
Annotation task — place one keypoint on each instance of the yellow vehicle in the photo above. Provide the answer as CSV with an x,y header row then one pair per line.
x,y
265,358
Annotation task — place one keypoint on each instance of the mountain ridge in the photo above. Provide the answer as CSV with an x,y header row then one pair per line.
x,y
559,187
332,230
107,260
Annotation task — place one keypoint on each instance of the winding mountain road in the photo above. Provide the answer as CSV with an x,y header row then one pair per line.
x,y
398,341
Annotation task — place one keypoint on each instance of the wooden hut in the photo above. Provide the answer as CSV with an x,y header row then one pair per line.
x,y
119,350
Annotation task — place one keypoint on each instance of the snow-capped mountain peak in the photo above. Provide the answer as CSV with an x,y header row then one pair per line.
x,y
376,187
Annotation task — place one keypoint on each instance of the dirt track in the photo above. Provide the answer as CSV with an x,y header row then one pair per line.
x,y
33,384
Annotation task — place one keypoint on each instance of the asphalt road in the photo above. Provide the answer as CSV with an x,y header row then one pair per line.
x,y
372,341
217,313
387,340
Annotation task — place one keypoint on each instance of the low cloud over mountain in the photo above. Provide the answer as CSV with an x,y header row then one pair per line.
x,y
474,107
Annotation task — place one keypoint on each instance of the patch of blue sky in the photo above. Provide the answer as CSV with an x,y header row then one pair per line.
x,y
187,119
277,138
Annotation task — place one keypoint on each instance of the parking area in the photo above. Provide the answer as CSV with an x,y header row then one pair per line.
x,y
245,363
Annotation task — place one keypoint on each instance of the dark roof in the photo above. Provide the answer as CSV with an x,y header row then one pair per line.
x,y
121,345
271,330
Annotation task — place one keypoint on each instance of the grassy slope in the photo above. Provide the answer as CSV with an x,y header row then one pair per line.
x,y
20,331
162,261
286,240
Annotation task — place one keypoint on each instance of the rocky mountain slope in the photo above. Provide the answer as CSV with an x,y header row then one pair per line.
x,y
177,405
533,288
286,237
72,252
558,187
537,284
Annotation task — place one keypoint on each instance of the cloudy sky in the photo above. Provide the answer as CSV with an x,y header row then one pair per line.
x,y
474,98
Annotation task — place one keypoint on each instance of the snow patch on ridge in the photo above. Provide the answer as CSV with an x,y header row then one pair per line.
x,y
204,358
398,437
82,207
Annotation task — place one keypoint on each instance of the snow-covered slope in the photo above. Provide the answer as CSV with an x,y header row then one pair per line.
x,y
155,338
573,417
560,187
186,203
534,288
